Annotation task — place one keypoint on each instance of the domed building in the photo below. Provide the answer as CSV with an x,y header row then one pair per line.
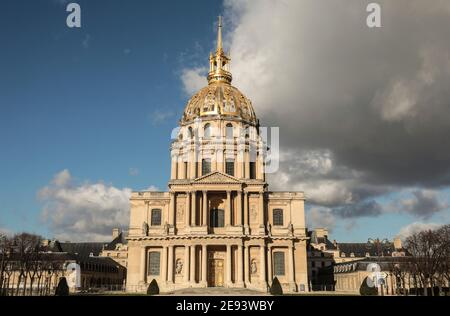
x,y
218,225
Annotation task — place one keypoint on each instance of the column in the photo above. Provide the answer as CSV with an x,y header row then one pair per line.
x,y
164,263
246,208
188,210
228,210
204,265
182,167
262,265
186,263
261,209
291,265
228,265
170,265
143,267
247,264
172,209
240,164
220,160
247,164
269,265
240,267
193,165
173,167
260,166
205,209
192,264
194,208
239,208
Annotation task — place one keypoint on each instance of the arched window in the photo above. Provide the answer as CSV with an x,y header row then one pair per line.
x,y
278,263
278,217
156,217
207,131
190,133
206,166
229,131
154,263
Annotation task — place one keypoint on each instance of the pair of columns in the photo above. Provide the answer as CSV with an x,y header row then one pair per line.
x,y
189,265
191,214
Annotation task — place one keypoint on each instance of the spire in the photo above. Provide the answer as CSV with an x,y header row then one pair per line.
x,y
219,35
219,62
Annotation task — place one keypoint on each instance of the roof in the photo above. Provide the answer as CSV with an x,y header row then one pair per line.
x,y
321,240
365,264
83,249
120,239
362,249
86,249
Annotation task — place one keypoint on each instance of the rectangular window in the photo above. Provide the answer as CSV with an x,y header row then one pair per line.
x,y
185,169
154,263
278,263
217,218
229,167
278,217
206,166
156,217
252,170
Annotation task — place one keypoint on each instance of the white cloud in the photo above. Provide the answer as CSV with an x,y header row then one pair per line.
x,y
319,217
193,80
159,116
152,188
6,231
421,203
83,211
416,227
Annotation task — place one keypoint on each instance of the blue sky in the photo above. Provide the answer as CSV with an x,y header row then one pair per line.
x,y
91,109
87,99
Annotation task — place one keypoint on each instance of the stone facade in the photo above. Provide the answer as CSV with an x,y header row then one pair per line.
x,y
218,225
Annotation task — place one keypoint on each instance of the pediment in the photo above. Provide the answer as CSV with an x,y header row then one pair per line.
x,y
217,177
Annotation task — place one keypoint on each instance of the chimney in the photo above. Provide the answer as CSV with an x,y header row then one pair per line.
x,y
322,233
116,232
397,243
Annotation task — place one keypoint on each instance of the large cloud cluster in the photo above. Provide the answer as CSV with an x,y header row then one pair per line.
x,y
362,112
83,212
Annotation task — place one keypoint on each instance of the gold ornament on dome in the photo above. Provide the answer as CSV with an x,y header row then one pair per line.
x,y
219,97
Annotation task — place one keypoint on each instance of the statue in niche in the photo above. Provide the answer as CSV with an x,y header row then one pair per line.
x,y
179,266
291,229
253,267
166,228
269,228
145,228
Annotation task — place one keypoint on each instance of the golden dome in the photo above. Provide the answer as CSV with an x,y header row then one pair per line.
x,y
219,97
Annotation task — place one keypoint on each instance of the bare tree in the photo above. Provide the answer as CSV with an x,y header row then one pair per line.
x,y
430,255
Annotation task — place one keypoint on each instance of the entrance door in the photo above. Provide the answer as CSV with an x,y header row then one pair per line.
x,y
215,271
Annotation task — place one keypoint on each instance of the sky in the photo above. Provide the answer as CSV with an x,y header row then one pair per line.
x,y
86,113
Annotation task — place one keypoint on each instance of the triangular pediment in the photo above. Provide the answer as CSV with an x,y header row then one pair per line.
x,y
217,177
